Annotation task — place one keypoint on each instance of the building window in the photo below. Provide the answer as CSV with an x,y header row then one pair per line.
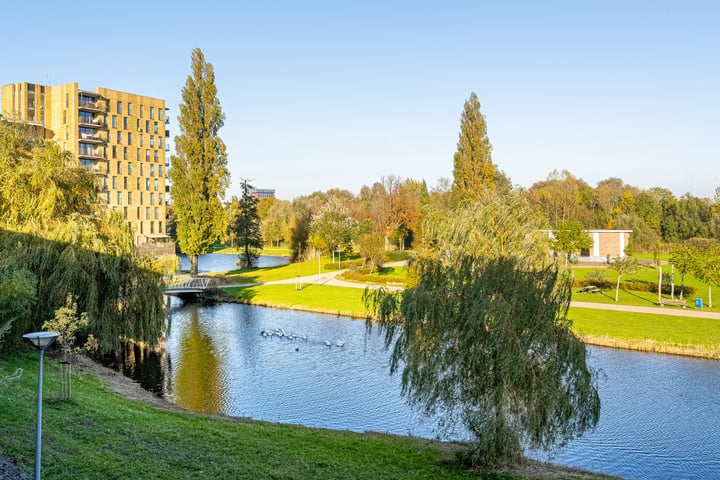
x,y
129,138
155,154
147,184
141,170
118,109
159,142
160,113
114,121
152,112
67,100
141,111
159,170
137,184
147,126
114,183
141,140
125,127
141,227
124,210
147,155
119,168
129,198
129,109
124,183
138,213
137,154
156,184
152,141
155,128
157,213
152,199
119,137
119,198
147,213
129,170
137,125
152,170
159,198
142,198
152,227
125,156
114,151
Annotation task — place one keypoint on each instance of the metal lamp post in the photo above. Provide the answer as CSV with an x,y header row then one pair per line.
x,y
41,340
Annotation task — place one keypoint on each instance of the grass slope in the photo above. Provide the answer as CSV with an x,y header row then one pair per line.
x,y
104,435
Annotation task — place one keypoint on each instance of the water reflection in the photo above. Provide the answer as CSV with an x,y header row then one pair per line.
x,y
197,383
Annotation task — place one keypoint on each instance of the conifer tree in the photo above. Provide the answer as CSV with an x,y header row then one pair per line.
x,y
245,226
199,173
473,171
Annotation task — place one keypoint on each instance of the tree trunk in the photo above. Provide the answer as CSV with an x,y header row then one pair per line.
x,y
659,284
193,266
672,282
709,296
617,289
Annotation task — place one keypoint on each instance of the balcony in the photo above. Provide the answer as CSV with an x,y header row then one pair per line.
x,y
94,154
94,139
96,167
91,106
97,122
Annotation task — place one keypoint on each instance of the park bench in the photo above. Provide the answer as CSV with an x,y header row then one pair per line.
x,y
590,289
677,303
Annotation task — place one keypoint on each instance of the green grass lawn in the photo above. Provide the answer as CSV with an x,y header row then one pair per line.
x,y
311,297
645,274
647,332
103,435
268,274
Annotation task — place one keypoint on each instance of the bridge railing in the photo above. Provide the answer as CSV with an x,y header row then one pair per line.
x,y
186,281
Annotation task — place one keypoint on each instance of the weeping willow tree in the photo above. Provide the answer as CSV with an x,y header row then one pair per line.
x,y
482,335
53,230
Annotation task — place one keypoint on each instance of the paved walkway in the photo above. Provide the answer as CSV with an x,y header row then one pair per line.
x,y
667,310
329,279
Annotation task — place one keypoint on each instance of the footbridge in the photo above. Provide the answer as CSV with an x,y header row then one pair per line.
x,y
187,287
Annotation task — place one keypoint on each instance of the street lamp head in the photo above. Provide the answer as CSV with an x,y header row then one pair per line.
x,y
41,340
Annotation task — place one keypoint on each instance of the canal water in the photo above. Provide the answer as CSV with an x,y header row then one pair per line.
x,y
659,419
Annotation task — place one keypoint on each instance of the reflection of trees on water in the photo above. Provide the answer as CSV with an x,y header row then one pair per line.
x,y
196,383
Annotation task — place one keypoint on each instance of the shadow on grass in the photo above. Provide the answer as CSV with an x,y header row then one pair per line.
x,y
644,300
242,294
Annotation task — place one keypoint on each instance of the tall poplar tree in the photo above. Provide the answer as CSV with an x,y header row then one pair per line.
x,y
199,173
473,171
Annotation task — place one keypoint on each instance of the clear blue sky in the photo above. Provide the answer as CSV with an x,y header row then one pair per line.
x,y
338,94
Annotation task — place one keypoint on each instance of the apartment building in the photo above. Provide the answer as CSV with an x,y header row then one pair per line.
x,y
122,137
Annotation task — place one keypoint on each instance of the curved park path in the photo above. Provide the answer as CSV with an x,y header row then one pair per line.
x,y
330,279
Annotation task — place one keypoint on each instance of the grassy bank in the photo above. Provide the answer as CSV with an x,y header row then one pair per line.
x,y
697,337
102,434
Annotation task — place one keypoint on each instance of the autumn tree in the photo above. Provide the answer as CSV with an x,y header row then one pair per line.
x,y
333,227
199,173
569,238
473,169
706,267
277,222
482,335
245,225
623,266
682,256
